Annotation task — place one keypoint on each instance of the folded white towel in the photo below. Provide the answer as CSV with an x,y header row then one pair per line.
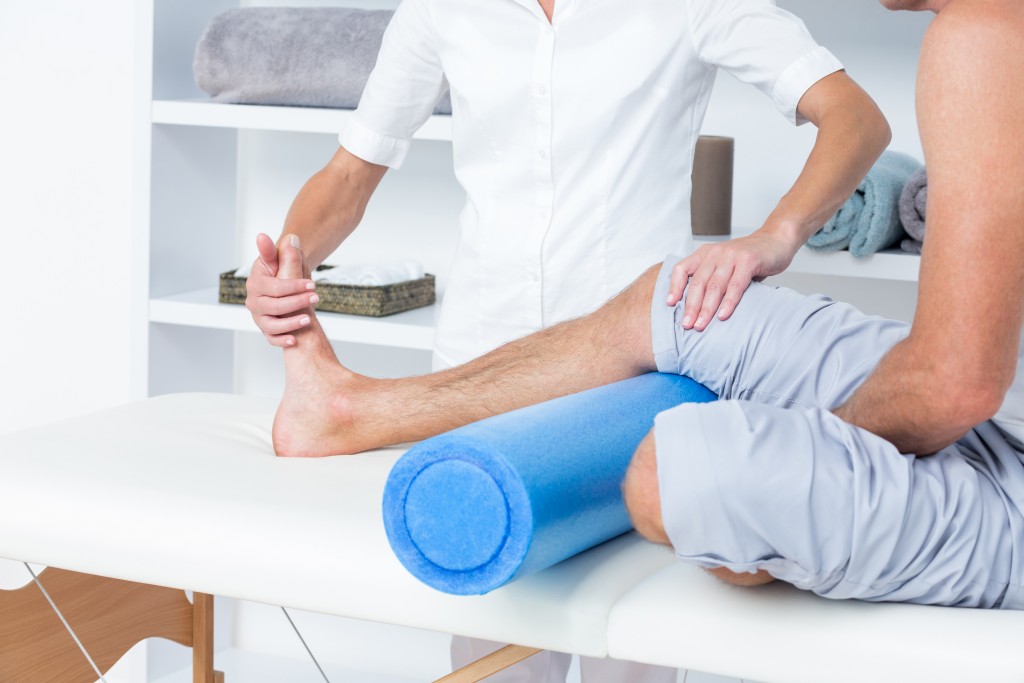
x,y
364,275
371,275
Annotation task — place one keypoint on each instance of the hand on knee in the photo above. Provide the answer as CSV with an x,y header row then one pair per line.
x,y
640,490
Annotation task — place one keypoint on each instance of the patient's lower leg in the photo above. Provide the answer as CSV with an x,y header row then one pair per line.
x,y
329,410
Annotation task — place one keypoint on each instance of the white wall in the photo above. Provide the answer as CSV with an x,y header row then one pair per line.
x,y
66,78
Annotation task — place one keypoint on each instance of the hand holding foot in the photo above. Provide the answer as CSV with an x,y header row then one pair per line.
x,y
276,304
315,417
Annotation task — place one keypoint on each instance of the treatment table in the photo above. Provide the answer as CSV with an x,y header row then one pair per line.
x,y
137,504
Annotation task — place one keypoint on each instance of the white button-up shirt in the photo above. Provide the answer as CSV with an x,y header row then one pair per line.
x,y
573,139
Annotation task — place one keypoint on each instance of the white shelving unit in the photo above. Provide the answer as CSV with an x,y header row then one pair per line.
x,y
198,308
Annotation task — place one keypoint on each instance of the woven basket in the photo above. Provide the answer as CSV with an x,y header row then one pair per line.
x,y
350,299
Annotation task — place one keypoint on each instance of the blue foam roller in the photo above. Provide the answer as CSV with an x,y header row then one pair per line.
x,y
496,500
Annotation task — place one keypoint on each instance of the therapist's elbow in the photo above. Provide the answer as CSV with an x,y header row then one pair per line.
x,y
860,118
876,133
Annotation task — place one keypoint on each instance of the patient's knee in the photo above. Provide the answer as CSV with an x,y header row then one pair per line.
x,y
640,490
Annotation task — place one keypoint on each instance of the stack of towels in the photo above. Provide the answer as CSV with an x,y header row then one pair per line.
x,y
870,220
363,275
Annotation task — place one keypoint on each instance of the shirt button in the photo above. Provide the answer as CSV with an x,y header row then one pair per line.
x,y
535,277
542,153
542,89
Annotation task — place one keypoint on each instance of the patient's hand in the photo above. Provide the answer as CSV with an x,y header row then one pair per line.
x,y
719,274
277,305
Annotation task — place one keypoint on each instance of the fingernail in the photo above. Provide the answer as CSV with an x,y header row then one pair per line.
x,y
700,322
314,299
290,342
310,285
304,320
294,239
721,315
687,320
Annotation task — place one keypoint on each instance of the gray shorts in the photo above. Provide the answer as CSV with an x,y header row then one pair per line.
x,y
768,478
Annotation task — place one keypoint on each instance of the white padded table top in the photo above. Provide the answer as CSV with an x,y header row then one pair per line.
x,y
684,617
185,491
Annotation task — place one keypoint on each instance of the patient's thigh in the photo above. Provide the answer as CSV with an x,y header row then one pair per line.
x,y
835,509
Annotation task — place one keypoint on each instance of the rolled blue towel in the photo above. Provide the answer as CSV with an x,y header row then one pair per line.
x,y
913,201
302,56
505,497
869,221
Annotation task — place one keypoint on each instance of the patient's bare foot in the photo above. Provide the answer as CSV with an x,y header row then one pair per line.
x,y
316,416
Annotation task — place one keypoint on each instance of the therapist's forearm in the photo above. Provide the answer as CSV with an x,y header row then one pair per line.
x,y
331,204
852,134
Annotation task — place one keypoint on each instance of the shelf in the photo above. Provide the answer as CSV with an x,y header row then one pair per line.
x,y
284,119
255,667
410,330
891,264
415,329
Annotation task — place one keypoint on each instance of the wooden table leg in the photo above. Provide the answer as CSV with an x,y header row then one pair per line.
x,y
490,665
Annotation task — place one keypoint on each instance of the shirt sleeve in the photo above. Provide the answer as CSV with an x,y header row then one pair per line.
x,y
761,44
404,87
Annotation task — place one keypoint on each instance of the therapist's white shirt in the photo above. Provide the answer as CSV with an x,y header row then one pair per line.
x,y
572,139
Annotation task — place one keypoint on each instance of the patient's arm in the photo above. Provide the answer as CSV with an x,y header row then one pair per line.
x,y
329,410
953,370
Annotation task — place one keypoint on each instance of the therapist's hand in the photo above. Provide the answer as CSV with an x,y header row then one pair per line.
x,y
719,274
276,305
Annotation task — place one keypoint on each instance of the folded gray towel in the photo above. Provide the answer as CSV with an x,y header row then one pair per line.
x,y
912,210
308,57
869,220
